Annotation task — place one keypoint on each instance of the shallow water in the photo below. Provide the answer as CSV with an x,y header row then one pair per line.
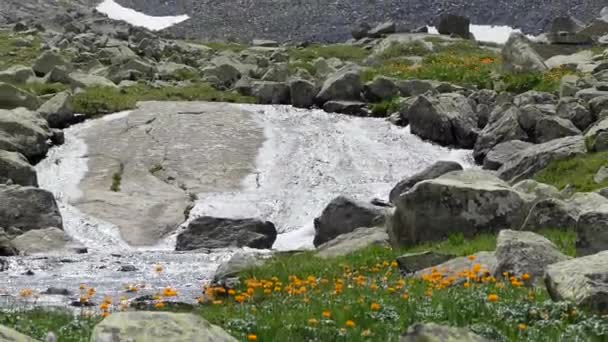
x,y
308,158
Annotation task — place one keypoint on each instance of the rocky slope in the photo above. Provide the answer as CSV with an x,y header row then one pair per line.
x,y
296,20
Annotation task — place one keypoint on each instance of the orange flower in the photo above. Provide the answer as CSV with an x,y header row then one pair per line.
x,y
350,323
492,298
405,296
522,327
313,322
239,298
231,292
105,314
252,337
159,305
326,314
375,307
25,293
104,306
217,302
169,292
471,257
525,276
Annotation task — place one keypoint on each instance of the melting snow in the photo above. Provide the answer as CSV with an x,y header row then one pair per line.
x,y
118,12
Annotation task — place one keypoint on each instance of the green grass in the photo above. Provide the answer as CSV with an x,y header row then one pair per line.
x,y
577,171
344,52
295,65
117,178
396,50
39,88
385,108
103,100
13,55
221,46
367,277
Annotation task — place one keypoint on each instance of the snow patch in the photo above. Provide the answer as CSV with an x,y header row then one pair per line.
x,y
118,12
488,33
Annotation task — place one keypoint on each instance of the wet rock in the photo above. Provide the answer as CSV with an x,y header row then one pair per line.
x,y
3,262
28,208
356,240
354,108
447,119
343,215
58,110
9,335
6,248
344,84
16,169
535,158
213,232
414,262
468,202
302,93
437,169
157,326
13,97
127,268
57,291
583,281
502,152
57,137
520,252
519,56
451,24
434,332
271,92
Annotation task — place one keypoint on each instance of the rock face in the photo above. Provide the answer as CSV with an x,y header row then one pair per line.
x,y
583,281
434,332
351,242
447,119
343,215
213,232
519,56
535,158
141,170
438,169
467,202
14,167
28,208
157,326
10,335
520,253
24,132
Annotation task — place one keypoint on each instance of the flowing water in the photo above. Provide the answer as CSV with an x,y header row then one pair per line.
x,y
308,158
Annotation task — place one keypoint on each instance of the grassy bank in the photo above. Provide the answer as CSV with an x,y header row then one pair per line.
x,y
362,297
577,171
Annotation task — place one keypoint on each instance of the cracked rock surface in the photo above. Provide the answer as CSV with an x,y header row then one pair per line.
x,y
145,168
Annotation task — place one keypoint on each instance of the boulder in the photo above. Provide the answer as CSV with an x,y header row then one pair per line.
x,y
447,119
344,84
16,169
451,24
414,262
270,92
382,29
41,241
221,76
551,213
534,97
569,86
428,332
598,104
49,60
25,132
503,152
277,72
264,43
596,136
519,56
592,231
356,240
465,202
9,335
354,108
17,74
565,30
437,169
505,128
381,88
537,191
302,93
416,87
570,108
553,127
601,175
157,326
583,281
343,215
213,232
13,97
28,208
6,249
360,31
589,94
529,115
116,54
58,110
176,71
455,267
528,162
82,80
520,252
237,263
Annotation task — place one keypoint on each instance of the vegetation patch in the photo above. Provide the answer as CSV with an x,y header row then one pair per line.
x,y
12,53
117,178
345,52
39,88
104,100
385,108
221,46
577,171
